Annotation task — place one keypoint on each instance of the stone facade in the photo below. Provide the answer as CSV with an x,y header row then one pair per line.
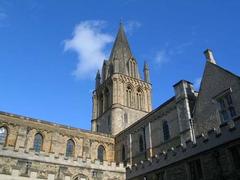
x,y
211,157
121,96
19,150
193,135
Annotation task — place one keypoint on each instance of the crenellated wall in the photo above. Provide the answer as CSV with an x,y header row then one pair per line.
x,y
21,164
207,148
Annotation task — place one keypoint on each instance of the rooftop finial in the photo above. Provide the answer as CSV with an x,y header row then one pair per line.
x,y
209,56
146,65
121,21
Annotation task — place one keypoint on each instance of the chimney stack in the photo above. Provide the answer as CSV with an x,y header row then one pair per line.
x,y
209,56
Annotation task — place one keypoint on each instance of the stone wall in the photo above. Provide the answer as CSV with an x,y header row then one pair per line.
x,y
22,131
151,128
212,151
21,165
215,81
118,108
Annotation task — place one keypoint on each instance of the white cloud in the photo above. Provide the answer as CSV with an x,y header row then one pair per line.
x,y
197,83
131,26
89,42
162,56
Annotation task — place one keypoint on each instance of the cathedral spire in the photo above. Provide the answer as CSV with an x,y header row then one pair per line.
x,y
121,50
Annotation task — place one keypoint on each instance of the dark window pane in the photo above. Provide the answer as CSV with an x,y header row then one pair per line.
x,y
224,115
123,153
222,104
141,144
166,131
229,99
38,141
70,148
101,153
232,111
3,135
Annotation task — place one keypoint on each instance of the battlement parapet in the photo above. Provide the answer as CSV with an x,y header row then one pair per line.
x,y
215,137
60,159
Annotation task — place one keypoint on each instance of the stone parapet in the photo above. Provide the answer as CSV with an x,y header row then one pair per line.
x,y
226,133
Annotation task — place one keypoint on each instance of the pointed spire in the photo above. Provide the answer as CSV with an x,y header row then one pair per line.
x,y
121,49
146,72
209,56
98,79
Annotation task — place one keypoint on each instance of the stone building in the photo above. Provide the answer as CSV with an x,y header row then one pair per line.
x,y
193,135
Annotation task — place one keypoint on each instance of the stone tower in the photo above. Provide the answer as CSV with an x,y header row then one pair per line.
x,y
120,97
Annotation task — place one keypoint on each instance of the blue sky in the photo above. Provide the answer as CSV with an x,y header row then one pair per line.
x,y
50,50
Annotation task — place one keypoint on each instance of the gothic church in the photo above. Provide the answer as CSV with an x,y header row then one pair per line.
x,y
192,136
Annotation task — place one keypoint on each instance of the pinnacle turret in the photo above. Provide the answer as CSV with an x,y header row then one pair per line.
x,y
146,72
98,79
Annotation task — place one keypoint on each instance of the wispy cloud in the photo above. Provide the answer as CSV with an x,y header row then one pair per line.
x,y
162,56
197,83
167,53
131,26
89,42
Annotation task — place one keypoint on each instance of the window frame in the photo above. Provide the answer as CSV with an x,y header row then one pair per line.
x,y
4,142
141,143
67,153
225,105
103,158
38,148
166,130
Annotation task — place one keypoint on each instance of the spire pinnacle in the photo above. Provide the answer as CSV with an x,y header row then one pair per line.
x,y
146,72
121,49
146,66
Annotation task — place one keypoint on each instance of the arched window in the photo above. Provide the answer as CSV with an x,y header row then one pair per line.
x,y
132,68
128,97
3,135
70,148
38,142
166,133
141,143
123,153
101,153
139,99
